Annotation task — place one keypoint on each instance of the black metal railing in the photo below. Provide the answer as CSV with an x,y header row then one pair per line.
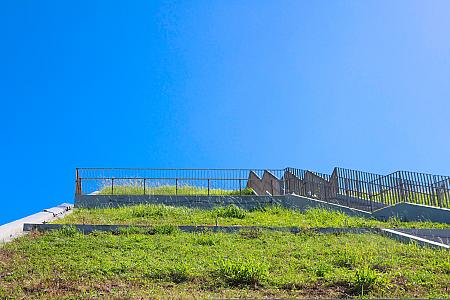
x,y
356,189
412,187
140,181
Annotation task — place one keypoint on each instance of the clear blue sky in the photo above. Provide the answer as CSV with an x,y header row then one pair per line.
x,y
308,84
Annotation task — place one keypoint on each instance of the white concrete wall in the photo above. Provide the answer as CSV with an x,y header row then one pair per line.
x,y
14,229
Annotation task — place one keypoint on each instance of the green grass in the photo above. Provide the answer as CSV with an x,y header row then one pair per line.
x,y
132,189
67,264
268,216
163,262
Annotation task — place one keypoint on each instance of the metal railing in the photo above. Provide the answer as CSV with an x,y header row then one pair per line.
x,y
412,187
356,189
142,181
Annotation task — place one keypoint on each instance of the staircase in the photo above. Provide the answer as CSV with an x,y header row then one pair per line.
x,y
356,189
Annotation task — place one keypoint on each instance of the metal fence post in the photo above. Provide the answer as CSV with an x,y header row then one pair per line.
x,y
144,186
240,187
358,188
347,196
176,186
439,196
370,196
402,190
112,186
208,186
78,190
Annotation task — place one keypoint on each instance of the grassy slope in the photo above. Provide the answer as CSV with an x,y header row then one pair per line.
x,y
252,264
271,216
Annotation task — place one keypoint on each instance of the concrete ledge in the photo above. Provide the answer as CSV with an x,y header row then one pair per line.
x,y
403,211
437,235
303,203
408,238
414,212
14,229
248,202
359,202
394,234
86,228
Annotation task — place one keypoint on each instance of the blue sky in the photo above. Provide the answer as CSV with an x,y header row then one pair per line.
x,y
248,84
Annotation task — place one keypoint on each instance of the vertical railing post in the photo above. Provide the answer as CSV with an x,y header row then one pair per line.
x,y
439,196
78,190
240,187
447,194
347,196
402,190
112,186
433,195
144,186
76,182
176,186
208,186
358,186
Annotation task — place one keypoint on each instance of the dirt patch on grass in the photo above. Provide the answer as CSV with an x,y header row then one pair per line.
x,y
52,287
381,268
59,287
401,284
320,289
7,260
5,255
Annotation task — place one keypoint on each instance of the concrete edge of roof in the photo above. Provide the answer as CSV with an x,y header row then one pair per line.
x,y
12,230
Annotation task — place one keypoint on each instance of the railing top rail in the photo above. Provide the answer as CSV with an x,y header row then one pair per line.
x,y
159,178
416,178
179,169
290,169
340,169
414,172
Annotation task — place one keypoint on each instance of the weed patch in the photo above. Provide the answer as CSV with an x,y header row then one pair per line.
x,y
231,211
365,280
164,229
145,211
176,274
321,269
68,231
242,271
206,239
